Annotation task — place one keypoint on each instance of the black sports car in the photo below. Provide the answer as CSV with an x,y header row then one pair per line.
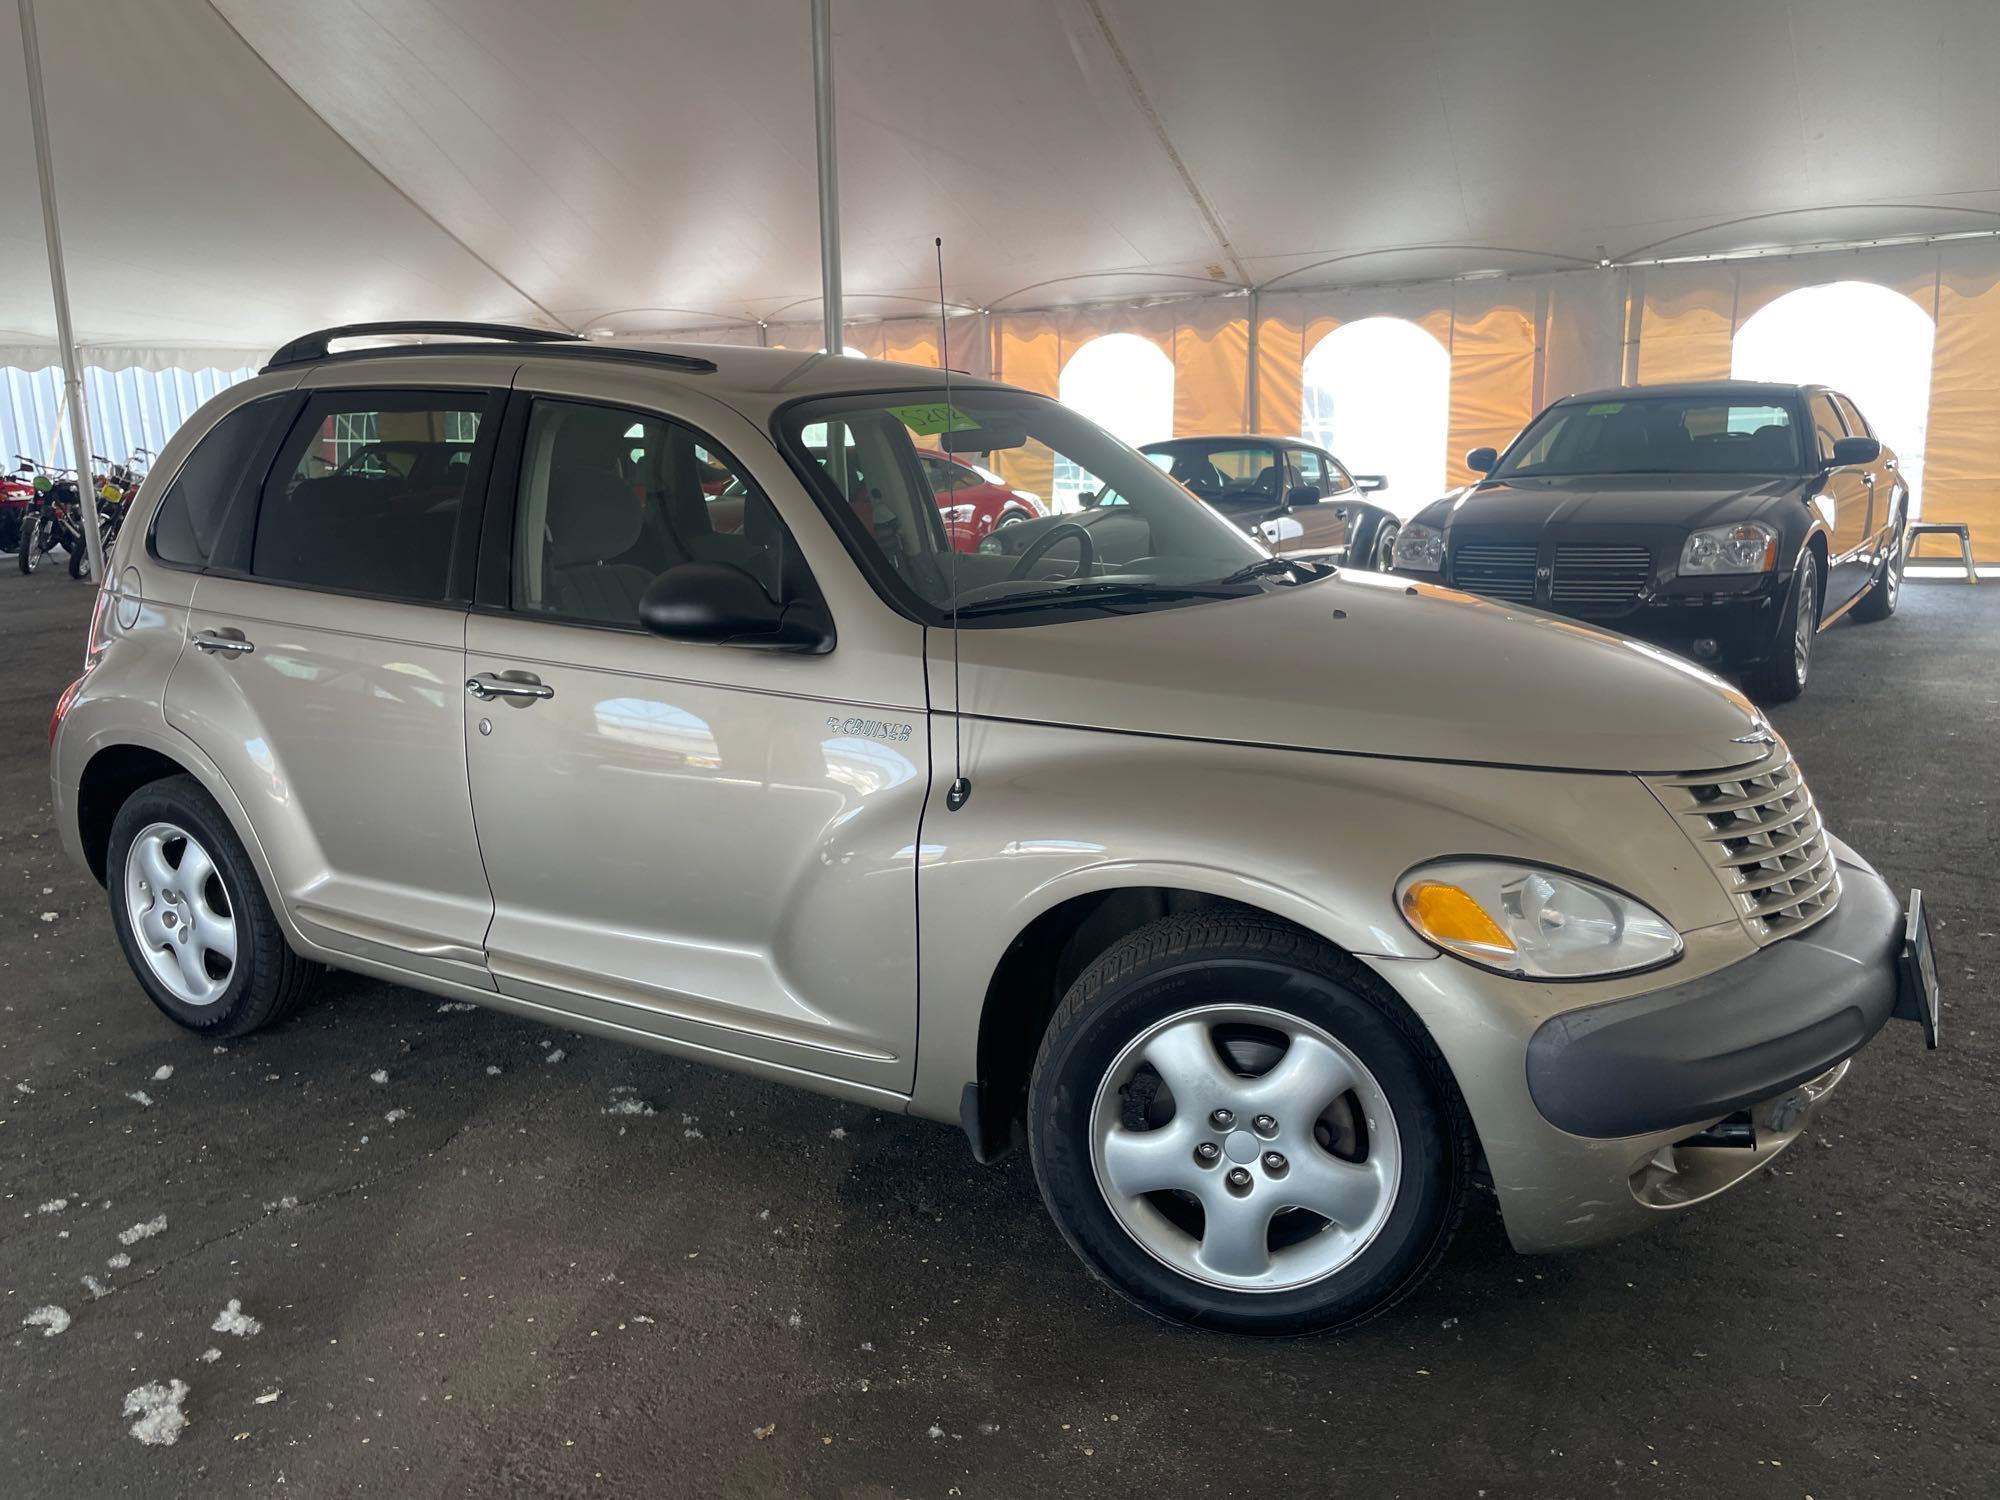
x,y
1729,521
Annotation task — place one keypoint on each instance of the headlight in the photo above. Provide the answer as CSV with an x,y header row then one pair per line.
x,y
1745,547
960,512
1541,924
1420,548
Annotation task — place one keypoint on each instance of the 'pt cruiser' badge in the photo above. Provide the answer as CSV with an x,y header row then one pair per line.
x,y
869,729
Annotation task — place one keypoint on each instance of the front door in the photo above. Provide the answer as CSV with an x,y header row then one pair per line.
x,y
705,843
1844,498
325,671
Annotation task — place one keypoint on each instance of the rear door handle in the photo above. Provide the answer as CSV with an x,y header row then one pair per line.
x,y
486,687
229,643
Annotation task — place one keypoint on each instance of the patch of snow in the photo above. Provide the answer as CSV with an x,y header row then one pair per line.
x,y
22,1088
556,1056
119,1261
52,1320
838,1133
53,1206
158,1409
143,1231
691,1133
283,1204
163,1072
396,1114
380,1075
232,1319
140,1097
492,1070
760,1433
210,1356
640,1318
48,916
794,1320
628,1104
451,1006
267,1398
95,1287
935,1431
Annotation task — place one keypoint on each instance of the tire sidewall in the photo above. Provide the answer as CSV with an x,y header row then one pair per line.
x,y
1064,1089
165,803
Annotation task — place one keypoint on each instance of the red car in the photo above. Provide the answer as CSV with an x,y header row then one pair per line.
x,y
974,501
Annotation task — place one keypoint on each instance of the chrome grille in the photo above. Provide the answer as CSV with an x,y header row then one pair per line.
x,y
1498,571
1760,831
1599,579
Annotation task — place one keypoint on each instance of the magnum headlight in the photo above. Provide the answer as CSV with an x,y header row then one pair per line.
x,y
1531,922
1420,548
1743,547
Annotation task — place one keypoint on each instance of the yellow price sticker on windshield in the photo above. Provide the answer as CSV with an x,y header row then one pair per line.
x,y
932,418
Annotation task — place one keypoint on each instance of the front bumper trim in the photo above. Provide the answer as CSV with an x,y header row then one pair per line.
x,y
1698,1051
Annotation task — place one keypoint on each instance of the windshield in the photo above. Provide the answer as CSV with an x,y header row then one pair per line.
x,y
1656,435
1120,534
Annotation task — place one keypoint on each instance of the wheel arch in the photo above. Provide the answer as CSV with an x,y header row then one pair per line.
x,y
1038,966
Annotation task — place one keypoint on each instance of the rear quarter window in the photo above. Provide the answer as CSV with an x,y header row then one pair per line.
x,y
226,463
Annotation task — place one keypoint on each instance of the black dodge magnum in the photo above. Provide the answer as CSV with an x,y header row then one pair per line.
x,y
1728,521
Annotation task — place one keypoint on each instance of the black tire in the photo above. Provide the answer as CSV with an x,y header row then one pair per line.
x,y
30,555
10,531
1885,589
1199,958
1782,676
1371,546
79,561
268,980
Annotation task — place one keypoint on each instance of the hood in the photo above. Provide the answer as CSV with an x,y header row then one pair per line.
x,y
1683,500
1366,664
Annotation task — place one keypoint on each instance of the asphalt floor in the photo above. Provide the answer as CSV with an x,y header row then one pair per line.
x,y
471,1274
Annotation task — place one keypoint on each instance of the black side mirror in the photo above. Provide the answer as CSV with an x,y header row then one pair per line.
x,y
725,606
1851,451
1483,460
1301,494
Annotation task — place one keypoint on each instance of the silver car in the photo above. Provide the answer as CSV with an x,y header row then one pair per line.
x,y
638,689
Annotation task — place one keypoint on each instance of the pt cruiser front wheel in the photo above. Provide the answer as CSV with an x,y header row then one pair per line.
x,y
1238,1127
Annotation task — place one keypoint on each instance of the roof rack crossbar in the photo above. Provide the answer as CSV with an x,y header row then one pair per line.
x,y
311,346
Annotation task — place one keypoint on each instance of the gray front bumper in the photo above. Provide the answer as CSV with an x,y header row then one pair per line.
x,y
1715,1045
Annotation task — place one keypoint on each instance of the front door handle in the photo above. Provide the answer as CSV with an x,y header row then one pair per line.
x,y
486,687
229,643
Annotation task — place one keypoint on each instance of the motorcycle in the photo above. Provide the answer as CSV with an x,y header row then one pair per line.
x,y
17,496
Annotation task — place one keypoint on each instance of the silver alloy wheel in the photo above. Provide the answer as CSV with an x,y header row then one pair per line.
x,y
1807,623
1238,1187
1898,557
180,913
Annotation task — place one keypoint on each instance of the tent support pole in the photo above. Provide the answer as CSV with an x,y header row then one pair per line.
x,y
1250,391
829,173
79,423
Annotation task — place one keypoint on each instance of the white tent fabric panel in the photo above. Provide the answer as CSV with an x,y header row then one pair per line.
x,y
235,171
129,409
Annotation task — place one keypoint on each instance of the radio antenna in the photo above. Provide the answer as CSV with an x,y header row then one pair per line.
x,y
961,789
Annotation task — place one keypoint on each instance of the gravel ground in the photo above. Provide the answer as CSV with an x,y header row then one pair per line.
x,y
394,1248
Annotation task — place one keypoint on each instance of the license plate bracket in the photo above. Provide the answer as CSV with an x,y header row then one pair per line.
x,y
1917,982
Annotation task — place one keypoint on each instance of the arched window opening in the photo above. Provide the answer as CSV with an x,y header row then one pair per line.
x,y
1867,342
1378,394
1123,383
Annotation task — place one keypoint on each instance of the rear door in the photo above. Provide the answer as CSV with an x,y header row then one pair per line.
x,y
1884,483
1843,498
328,660
704,843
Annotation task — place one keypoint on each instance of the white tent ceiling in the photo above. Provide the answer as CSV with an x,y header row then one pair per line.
x,y
234,171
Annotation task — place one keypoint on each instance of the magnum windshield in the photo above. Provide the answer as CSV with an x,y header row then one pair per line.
x,y
1656,435
1120,533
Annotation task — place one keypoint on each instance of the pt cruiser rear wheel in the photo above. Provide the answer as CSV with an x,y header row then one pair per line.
x,y
192,917
1238,1127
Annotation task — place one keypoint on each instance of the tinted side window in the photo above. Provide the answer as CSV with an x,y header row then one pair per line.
x,y
1826,427
368,492
1307,463
610,499
223,465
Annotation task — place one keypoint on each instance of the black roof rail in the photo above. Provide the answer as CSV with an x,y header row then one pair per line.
x,y
311,346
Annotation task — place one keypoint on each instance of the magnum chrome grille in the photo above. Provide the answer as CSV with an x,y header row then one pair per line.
x,y
1599,579
1498,571
1760,831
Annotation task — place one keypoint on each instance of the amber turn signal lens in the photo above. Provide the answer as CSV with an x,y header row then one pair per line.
x,y
1451,918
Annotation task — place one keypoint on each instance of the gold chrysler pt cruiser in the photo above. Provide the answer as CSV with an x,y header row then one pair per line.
x,y
638,688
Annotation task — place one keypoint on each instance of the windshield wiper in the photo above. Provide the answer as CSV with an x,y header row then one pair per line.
x,y
1268,567
1103,596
